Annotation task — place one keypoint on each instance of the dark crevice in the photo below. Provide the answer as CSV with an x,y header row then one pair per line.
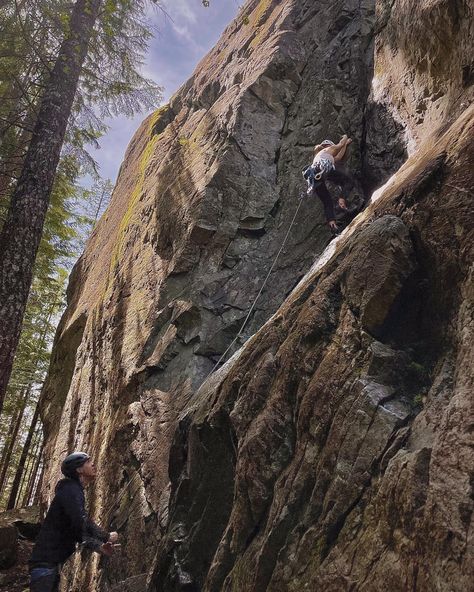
x,y
335,528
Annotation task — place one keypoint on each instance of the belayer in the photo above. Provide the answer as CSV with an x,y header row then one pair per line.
x,y
327,166
67,524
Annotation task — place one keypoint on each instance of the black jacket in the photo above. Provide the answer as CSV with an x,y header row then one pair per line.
x,y
66,524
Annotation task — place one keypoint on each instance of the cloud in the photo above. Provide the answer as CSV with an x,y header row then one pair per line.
x,y
185,33
181,41
180,9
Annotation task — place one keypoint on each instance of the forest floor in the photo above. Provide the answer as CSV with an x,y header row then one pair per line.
x,y
15,579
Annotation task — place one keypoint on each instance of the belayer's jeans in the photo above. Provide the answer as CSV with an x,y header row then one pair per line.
x,y
44,579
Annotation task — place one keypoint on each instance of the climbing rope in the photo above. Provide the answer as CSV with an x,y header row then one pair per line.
x,y
259,293
139,484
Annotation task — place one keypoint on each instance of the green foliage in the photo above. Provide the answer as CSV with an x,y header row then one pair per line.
x,y
128,217
45,302
418,400
110,84
90,204
31,34
30,368
418,380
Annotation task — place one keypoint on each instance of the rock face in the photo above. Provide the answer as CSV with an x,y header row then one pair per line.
x,y
334,449
18,524
8,545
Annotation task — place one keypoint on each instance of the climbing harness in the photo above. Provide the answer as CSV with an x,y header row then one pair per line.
x,y
314,173
313,176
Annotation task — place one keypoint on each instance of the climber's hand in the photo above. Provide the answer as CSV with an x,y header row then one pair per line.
x,y
107,549
333,225
113,537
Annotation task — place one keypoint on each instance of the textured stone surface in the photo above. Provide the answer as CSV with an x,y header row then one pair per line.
x,y
334,450
23,522
8,545
26,520
133,584
16,578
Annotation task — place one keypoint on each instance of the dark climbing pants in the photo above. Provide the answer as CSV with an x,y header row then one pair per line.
x,y
323,193
339,177
44,579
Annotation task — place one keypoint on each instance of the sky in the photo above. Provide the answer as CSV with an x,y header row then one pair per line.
x,y
181,40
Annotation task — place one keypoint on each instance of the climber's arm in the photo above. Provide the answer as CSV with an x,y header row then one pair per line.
x,y
336,147
340,155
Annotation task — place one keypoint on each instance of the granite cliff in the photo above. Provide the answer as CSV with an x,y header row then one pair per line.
x,y
335,448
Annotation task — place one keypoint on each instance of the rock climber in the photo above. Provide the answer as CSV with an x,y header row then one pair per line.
x,y
327,166
66,524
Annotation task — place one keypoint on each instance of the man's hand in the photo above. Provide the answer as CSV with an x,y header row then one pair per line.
x,y
113,537
107,549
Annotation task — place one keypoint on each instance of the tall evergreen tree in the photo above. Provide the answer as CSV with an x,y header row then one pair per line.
x,y
108,56
22,230
33,477
11,440
20,470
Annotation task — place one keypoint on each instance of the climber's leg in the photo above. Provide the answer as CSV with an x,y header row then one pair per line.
x,y
322,192
341,177
44,579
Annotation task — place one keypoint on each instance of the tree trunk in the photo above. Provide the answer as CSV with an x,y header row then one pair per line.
x,y
21,234
26,472
37,490
8,449
13,420
21,465
29,469
32,480
99,205
9,438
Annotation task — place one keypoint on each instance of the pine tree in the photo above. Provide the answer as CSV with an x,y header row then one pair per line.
x,y
20,470
11,440
22,230
121,29
33,478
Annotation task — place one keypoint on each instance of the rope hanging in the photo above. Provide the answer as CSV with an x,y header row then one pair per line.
x,y
139,485
259,293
